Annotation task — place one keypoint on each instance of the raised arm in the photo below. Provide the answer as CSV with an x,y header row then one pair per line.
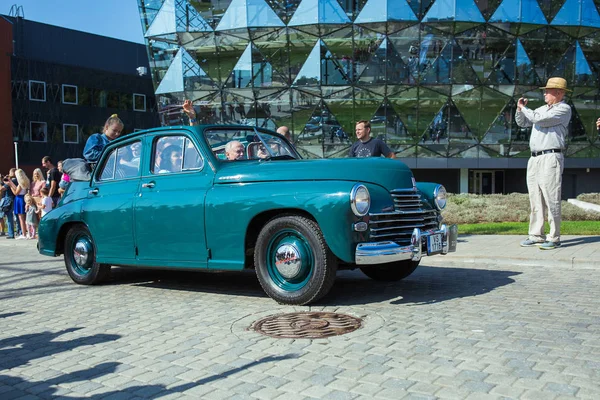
x,y
559,114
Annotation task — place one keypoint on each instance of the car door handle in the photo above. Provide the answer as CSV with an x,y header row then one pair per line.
x,y
148,185
94,191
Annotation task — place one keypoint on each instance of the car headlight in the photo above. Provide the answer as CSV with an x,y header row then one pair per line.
x,y
439,197
360,200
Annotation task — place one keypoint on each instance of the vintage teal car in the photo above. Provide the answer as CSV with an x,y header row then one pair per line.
x,y
170,198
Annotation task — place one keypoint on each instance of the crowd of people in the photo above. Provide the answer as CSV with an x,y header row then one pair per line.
x,y
24,201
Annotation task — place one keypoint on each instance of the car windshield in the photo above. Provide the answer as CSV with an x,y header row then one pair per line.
x,y
234,144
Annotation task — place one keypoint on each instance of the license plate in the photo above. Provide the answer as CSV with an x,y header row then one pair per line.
x,y
434,244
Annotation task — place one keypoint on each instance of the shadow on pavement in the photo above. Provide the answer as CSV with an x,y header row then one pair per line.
x,y
20,350
580,241
426,285
11,314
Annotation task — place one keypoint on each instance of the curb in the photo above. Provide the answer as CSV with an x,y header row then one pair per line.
x,y
565,263
584,205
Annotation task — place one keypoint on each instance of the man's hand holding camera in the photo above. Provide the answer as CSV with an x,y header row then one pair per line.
x,y
521,103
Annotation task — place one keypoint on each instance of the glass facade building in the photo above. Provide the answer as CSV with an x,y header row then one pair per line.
x,y
437,79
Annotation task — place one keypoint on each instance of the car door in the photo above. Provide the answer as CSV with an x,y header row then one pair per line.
x,y
169,207
108,209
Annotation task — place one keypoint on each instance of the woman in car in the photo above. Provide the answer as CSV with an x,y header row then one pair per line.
x,y
170,159
98,141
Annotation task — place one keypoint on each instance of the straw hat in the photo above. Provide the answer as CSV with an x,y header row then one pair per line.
x,y
556,83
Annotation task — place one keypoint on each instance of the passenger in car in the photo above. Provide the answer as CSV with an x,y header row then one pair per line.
x,y
234,150
170,160
98,141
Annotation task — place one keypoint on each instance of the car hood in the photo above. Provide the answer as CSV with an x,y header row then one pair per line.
x,y
391,174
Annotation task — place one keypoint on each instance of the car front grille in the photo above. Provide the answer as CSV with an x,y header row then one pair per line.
x,y
408,214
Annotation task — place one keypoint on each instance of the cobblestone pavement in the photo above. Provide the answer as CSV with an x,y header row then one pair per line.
x,y
450,332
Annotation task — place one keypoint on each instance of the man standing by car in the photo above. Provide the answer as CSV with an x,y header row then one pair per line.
x,y
366,146
545,167
53,178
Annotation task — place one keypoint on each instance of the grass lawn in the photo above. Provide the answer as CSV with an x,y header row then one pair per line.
x,y
585,228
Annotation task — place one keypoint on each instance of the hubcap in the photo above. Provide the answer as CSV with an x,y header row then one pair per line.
x,y
288,260
81,252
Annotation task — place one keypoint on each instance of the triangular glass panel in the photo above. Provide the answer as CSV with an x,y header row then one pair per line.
x,y
321,68
386,66
184,74
487,7
444,11
385,11
464,125
583,105
514,67
430,104
340,46
420,7
451,66
416,52
311,12
211,11
336,121
235,106
480,108
366,43
278,107
555,47
204,50
536,48
504,127
235,47
583,151
518,11
284,9
550,8
341,106
577,131
249,14
176,16
305,106
389,126
575,68
576,17
406,103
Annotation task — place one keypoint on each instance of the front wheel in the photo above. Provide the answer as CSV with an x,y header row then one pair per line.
x,y
293,263
80,258
391,272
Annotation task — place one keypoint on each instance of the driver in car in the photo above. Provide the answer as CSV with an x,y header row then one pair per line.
x,y
234,150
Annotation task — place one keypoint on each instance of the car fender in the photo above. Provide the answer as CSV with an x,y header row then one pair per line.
x,y
235,212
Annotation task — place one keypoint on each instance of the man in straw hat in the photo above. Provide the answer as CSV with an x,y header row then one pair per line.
x,y
545,167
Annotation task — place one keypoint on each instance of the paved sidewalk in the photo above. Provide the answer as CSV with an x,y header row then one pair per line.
x,y
576,252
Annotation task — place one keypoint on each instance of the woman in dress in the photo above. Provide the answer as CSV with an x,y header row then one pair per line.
x,y
37,184
19,191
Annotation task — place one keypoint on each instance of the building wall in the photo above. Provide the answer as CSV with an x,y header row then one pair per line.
x,y
64,87
6,48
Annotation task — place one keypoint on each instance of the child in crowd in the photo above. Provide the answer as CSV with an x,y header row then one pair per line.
x,y
64,181
31,217
47,205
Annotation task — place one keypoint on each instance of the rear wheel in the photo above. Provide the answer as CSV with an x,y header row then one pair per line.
x,y
293,263
391,272
80,258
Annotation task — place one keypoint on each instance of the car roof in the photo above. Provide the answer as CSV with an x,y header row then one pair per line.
x,y
199,128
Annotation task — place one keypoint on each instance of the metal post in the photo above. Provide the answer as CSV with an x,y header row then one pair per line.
x,y
16,155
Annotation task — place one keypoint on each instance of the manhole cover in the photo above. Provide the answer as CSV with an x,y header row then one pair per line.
x,y
306,325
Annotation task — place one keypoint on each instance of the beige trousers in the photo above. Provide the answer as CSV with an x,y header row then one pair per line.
x,y
544,181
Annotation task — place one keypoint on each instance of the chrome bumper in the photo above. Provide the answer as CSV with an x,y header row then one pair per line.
x,y
386,252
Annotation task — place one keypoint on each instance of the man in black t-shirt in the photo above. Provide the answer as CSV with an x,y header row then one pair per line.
x,y
366,146
52,179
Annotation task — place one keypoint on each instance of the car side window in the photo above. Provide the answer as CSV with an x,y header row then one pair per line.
x,y
122,163
175,154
